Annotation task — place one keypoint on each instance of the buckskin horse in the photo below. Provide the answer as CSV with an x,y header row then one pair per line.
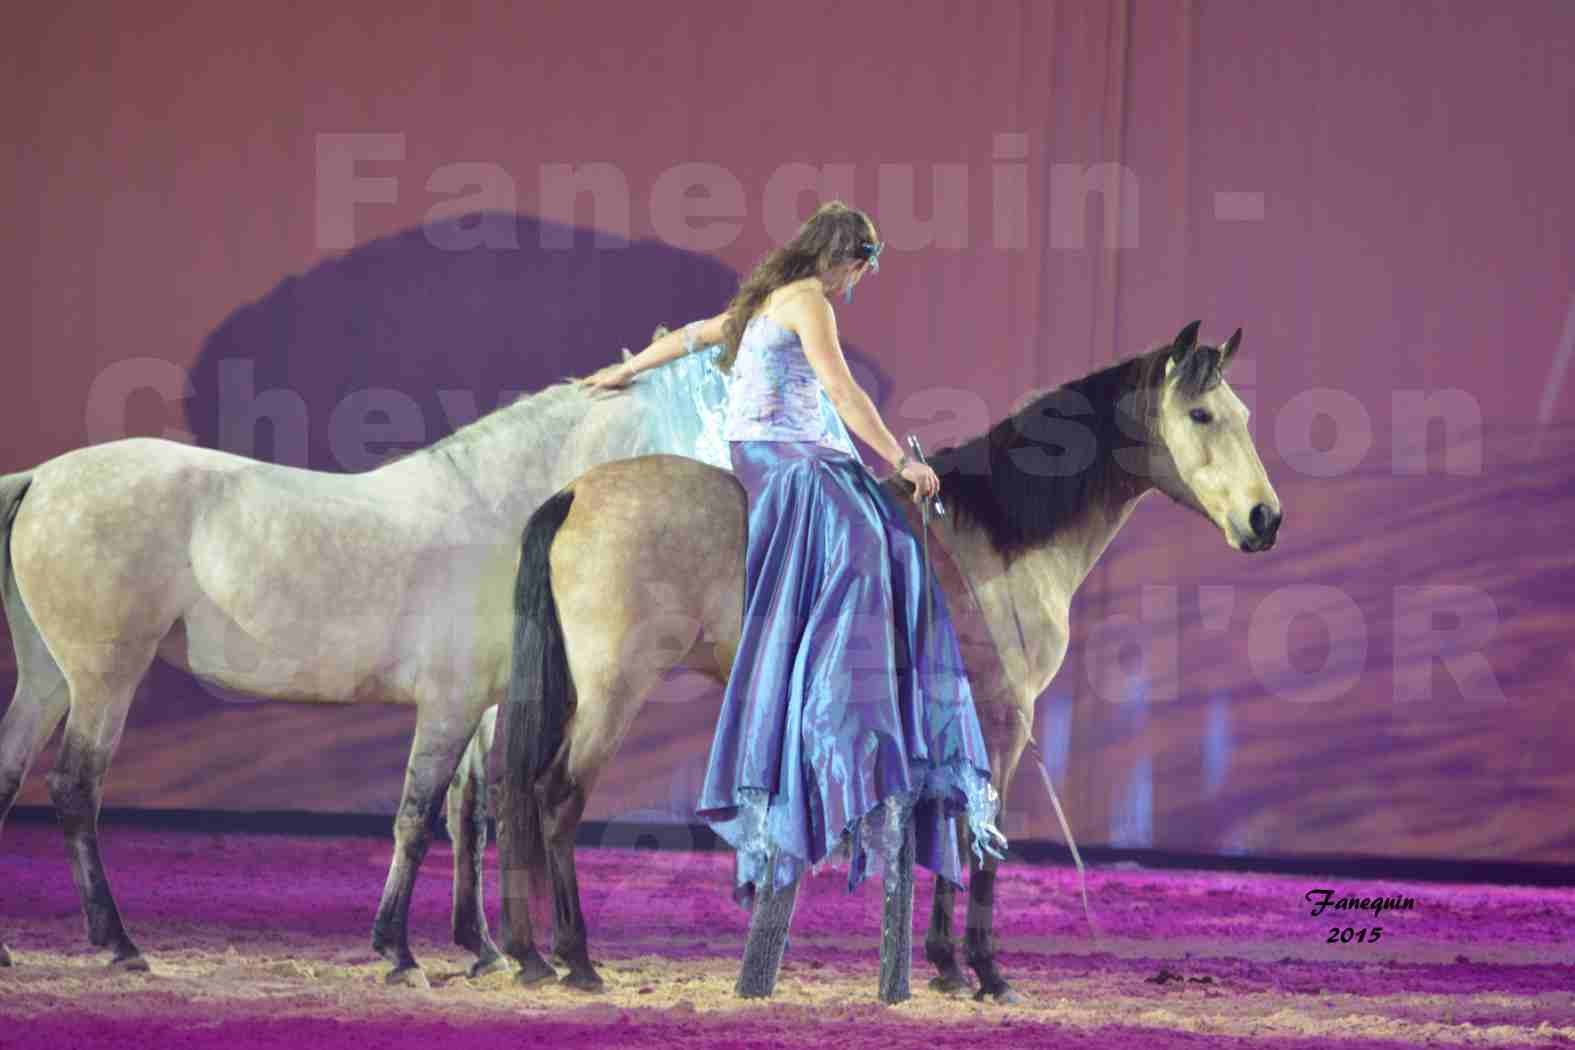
x,y
644,558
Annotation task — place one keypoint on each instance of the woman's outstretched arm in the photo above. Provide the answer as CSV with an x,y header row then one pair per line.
x,y
665,348
676,344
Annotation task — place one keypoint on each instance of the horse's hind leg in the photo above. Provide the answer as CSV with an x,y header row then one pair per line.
x,y
620,640
103,680
768,934
467,828
434,755
562,804
36,708
896,935
613,693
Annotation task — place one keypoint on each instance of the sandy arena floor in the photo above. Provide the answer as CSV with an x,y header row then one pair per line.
x,y
262,941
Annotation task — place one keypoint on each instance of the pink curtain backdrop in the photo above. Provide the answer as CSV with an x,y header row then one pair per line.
x,y
1377,193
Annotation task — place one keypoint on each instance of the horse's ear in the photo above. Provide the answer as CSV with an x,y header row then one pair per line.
x,y
1229,349
1186,339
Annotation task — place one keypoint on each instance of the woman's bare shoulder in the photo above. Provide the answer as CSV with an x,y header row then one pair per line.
x,y
801,301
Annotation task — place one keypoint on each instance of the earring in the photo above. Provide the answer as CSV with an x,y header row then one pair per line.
x,y
847,294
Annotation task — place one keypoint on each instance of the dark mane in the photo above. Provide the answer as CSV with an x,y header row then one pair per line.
x,y
1033,473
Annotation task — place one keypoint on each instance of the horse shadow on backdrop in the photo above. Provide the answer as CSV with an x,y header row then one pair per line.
x,y
409,338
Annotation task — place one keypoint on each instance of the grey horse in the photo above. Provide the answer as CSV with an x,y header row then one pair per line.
x,y
388,586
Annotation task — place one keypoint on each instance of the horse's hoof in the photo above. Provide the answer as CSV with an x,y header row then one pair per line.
x,y
132,962
408,977
1003,995
895,998
534,971
950,984
392,953
584,981
481,967
5,956
480,947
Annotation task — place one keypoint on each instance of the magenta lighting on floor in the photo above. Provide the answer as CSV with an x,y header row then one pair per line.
x,y
262,941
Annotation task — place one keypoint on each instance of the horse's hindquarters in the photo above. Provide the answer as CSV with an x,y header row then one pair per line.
x,y
100,547
647,577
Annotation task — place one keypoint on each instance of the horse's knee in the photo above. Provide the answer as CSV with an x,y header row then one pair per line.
x,y
413,823
12,770
74,792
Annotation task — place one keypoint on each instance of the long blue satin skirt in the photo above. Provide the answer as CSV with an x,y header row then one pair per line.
x,y
845,692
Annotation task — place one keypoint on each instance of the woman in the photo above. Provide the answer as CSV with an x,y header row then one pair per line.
x,y
825,717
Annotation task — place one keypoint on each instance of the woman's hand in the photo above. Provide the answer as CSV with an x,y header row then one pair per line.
x,y
610,378
924,480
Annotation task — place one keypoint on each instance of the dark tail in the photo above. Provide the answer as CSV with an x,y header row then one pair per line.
x,y
541,694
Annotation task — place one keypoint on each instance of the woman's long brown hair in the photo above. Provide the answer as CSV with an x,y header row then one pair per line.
x,y
834,234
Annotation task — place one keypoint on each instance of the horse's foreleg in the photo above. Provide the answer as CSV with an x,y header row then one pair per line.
x,y
433,758
896,935
100,698
940,948
768,934
467,828
979,938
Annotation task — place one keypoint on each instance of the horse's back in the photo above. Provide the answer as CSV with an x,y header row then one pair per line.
x,y
134,501
138,459
125,540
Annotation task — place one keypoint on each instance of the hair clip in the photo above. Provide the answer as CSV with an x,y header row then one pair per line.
x,y
872,252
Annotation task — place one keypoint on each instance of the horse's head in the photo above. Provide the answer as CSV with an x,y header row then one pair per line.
x,y
1201,454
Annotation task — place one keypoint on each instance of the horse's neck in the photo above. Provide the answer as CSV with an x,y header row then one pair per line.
x,y
1025,602
1068,557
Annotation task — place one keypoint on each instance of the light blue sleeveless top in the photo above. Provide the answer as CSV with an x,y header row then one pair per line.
x,y
775,394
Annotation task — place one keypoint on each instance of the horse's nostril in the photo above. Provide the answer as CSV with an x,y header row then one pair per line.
x,y
1262,520
1265,523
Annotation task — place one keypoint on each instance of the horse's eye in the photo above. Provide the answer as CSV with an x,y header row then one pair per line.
x,y
1200,415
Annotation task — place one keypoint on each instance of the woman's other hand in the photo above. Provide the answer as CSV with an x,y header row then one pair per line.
x,y
924,480
612,377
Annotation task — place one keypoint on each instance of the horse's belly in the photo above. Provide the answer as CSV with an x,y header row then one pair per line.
x,y
345,656
342,601
217,651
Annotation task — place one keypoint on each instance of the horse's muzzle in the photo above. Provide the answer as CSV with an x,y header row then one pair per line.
x,y
1265,528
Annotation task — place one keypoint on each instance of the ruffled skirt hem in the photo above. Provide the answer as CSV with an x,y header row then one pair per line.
x,y
870,842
